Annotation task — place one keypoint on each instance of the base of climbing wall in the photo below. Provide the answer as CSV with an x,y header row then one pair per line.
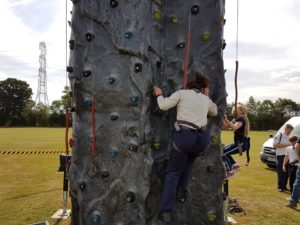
x,y
62,214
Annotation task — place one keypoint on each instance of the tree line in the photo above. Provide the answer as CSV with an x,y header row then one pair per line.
x,y
17,108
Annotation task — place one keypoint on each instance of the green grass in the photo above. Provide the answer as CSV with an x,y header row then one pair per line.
x,y
31,189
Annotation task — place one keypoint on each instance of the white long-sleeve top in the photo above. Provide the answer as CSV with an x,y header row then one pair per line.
x,y
191,106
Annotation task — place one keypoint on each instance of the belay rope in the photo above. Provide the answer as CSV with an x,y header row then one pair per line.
x,y
187,52
236,57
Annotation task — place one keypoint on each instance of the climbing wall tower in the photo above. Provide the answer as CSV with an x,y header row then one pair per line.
x,y
120,49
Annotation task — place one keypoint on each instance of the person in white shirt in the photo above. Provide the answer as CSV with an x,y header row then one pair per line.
x,y
296,189
289,162
189,138
281,142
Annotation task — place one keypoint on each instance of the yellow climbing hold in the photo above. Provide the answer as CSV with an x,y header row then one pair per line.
x,y
205,37
174,19
157,14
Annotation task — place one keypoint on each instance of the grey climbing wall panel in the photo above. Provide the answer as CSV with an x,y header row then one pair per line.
x,y
120,49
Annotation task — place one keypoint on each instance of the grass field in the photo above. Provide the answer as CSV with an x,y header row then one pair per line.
x,y
31,189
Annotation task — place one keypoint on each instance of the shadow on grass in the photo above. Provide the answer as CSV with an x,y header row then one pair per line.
x,y
36,193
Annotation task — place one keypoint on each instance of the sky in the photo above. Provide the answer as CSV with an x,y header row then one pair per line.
x,y
268,46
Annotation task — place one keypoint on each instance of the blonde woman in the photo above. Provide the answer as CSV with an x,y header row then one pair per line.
x,y
240,126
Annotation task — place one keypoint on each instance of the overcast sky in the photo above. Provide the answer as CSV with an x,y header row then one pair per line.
x,y
269,46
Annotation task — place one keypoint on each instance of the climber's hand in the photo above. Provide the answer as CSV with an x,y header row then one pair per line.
x,y
157,91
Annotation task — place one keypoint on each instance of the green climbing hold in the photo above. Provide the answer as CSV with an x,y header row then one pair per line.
x,y
214,139
211,216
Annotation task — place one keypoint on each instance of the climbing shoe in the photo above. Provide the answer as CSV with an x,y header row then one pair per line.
x,y
165,216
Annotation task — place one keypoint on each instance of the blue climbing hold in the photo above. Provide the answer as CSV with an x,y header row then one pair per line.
x,y
114,153
87,102
128,34
96,218
134,100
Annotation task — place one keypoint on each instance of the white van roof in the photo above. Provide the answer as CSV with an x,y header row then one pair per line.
x,y
295,122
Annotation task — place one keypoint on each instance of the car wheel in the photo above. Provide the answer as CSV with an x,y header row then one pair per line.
x,y
272,166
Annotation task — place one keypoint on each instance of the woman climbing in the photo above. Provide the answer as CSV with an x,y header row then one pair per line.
x,y
240,126
189,138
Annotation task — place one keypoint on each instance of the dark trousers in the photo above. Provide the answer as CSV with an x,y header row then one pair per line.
x,y
189,143
177,176
282,176
232,149
292,175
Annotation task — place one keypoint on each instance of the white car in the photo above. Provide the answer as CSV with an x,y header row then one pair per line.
x,y
267,154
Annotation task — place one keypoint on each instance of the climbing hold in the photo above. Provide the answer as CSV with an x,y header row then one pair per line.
x,y
157,14
73,109
224,44
114,3
87,73
130,197
210,169
87,102
180,45
138,67
214,139
89,36
158,64
71,142
82,186
114,153
114,116
156,146
70,69
96,218
111,80
225,71
128,34
105,174
134,100
93,170
133,148
205,37
69,22
71,44
174,19
211,216
195,9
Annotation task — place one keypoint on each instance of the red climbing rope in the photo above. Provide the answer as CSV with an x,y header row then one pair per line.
x,y
93,127
67,132
186,62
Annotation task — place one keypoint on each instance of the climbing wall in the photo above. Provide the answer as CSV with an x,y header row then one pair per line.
x,y
119,50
